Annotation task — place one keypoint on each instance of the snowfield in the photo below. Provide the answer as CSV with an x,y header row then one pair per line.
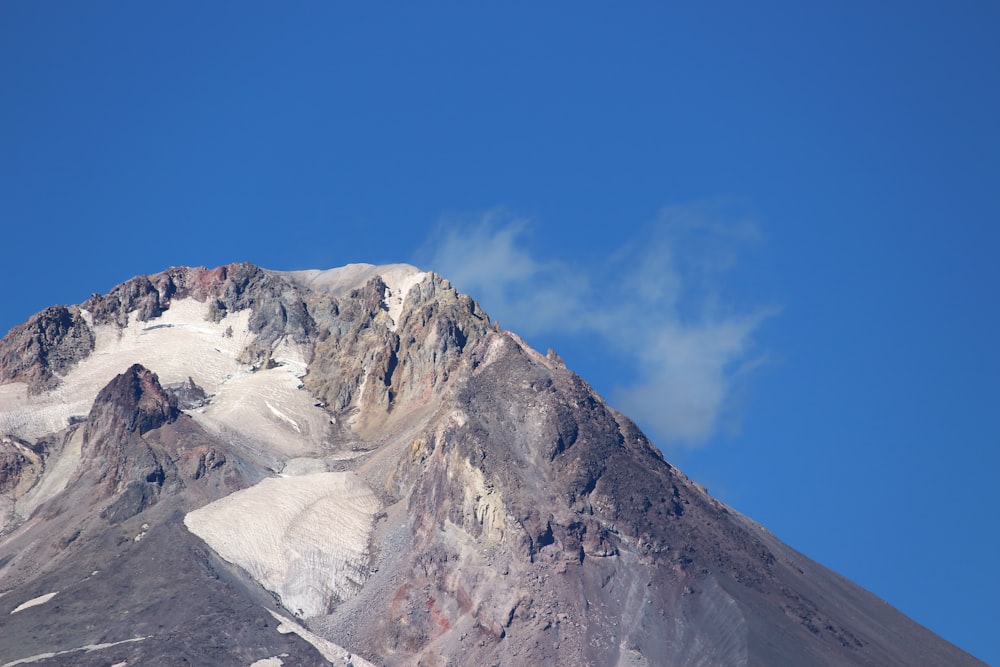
x,y
266,405
304,534
268,409
304,537
59,469
179,344
264,409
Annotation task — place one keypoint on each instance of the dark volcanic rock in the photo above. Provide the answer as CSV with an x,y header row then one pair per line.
x,y
127,467
187,395
147,297
277,309
164,599
137,295
133,401
45,346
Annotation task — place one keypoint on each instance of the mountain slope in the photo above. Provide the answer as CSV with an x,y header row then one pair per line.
x,y
362,448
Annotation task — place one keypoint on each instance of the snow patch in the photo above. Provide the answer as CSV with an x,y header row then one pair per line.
x,y
269,409
34,602
283,417
142,532
304,537
86,649
398,284
335,654
268,662
343,279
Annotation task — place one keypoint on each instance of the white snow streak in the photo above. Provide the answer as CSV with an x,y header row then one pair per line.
x,y
334,653
87,649
34,602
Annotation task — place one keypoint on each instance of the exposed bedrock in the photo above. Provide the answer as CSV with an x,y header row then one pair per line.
x,y
367,364
137,447
44,347
525,544
133,402
20,466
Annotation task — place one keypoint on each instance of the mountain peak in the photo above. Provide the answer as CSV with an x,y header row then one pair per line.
x,y
363,448
134,401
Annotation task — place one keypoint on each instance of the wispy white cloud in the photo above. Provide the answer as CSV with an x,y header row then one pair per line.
x,y
657,302
488,259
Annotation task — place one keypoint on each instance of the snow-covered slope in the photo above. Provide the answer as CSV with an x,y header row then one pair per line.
x,y
180,343
304,537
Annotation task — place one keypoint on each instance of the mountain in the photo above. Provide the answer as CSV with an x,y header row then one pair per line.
x,y
356,466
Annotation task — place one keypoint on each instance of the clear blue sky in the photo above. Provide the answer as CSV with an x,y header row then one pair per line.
x,y
767,230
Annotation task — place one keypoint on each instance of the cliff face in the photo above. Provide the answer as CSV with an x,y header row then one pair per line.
x,y
362,449
45,346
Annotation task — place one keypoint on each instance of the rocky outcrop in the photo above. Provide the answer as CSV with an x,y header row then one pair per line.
x,y
128,468
44,347
133,402
277,309
137,295
545,528
146,297
187,395
366,364
20,466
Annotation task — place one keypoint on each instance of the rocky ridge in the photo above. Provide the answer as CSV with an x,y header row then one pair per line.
x,y
517,518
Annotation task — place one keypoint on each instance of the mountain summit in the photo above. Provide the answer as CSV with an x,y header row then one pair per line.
x,y
356,466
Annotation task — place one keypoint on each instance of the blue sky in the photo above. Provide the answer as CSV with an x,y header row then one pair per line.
x,y
768,231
